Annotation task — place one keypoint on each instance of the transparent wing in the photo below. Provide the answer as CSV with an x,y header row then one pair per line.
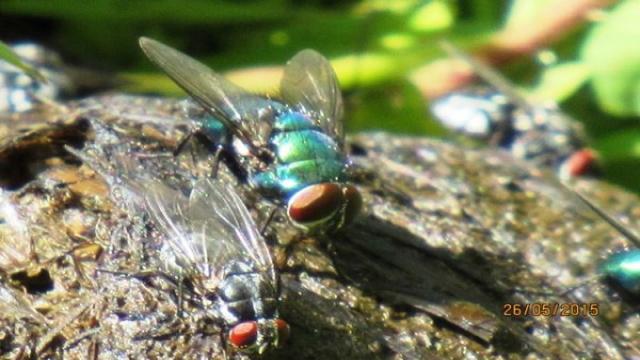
x,y
15,247
217,207
208,228
623,230
168,208
240,111
309,80
486,73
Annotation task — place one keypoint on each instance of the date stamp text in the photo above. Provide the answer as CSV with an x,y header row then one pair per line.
x,y
550,309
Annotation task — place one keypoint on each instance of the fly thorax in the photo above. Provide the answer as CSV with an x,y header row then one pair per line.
x,y
244,294
291,120
304,155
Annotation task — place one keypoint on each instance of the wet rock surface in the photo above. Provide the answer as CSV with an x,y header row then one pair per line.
x,y
448,239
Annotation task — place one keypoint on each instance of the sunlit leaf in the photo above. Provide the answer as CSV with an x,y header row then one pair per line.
x,y
397,41
7,54
524,11
560,81
435,15
612,52
620,145
371,6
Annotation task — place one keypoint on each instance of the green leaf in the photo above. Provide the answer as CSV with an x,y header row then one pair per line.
x,y
558,82
7,54
396,107
174,11
612,53
157,83
620,145
433,16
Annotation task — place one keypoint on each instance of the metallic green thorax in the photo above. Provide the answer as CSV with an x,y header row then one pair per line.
x,y
213,129
305,155
624,268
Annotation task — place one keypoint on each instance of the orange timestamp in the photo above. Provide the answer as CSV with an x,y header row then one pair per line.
x,y
550,309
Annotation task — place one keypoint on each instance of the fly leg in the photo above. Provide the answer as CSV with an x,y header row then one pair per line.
x,y
216,161
183,142
222,152
181,295
272,213
228,156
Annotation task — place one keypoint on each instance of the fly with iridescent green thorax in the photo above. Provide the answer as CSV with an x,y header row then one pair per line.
x,y
622,268
299,140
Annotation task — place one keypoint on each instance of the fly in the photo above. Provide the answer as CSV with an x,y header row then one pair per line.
x,y
621,268
499,114
210,239
298,141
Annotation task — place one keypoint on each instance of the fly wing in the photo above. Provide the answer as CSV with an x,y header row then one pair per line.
x,y
623,230
217,210
186,238
207,229
139,190
309,80
15,249
240,111
486,73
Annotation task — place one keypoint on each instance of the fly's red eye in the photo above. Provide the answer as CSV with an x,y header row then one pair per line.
x,y
315,202
580,162
283,330
354,203
244,334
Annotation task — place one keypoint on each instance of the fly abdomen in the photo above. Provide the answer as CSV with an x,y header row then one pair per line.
x,y
244,310
244,294
288,179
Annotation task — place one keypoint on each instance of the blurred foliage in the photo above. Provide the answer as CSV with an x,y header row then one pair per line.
x,y
7,54
594,71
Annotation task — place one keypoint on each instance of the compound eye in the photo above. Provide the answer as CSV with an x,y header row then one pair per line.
x,y
244,334
315,203
580,162
283,331
354,203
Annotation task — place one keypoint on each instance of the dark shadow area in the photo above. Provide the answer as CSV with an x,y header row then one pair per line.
x,y
25,156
